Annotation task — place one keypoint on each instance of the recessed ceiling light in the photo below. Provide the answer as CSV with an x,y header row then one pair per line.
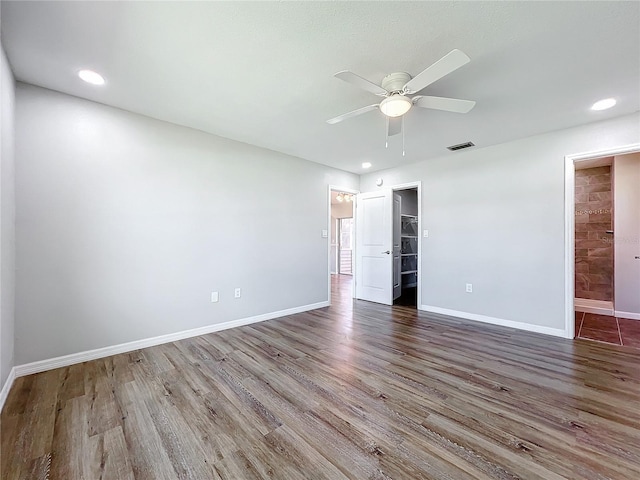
x,y
604,104
91,77
366,164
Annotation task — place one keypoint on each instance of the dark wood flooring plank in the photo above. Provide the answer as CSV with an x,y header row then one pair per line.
x,y
145,448
104,411
70,452
109,456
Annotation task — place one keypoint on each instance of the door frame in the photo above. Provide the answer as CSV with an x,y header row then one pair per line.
x,y
408,186
570,227
338,188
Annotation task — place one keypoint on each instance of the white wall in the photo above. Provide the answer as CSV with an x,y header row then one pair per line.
x,y
125,225
7,218
626,211
495,217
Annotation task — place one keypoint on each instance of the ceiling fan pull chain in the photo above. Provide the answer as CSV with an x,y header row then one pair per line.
x,y
386,138
402,135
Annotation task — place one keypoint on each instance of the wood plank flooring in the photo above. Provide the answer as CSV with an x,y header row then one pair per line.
x,y
357,390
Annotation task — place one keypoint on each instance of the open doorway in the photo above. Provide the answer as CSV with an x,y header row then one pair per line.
x,y
594,244
387,253
405,247
605,253
342,236
342,245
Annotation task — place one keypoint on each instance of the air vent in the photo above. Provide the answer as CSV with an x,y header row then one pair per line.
x,y
460,146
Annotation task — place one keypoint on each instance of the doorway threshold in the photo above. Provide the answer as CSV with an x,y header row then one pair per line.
x,y
600,307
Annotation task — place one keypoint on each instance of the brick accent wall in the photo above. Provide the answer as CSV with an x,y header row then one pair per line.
x,y
594,247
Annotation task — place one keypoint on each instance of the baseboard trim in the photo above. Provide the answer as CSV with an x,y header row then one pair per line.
x,y
74,358
4,393
629,315
599,307
530,327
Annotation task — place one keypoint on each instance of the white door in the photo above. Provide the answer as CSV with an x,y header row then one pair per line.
x,y
397,243
374,246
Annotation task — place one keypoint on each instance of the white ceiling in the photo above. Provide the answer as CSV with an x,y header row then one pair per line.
x,y
262,72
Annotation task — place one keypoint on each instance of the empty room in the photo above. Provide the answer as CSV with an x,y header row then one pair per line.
x,y
319,240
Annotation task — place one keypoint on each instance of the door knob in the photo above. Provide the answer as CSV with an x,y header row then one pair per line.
x,y
637,257
387,252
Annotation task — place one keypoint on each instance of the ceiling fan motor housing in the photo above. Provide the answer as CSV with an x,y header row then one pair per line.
x,y
395,82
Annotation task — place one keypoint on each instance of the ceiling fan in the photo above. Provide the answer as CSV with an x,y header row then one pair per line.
x,y
398,88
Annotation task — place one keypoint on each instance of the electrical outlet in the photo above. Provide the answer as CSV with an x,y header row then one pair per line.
x,y
469,288
236,294
214,297
425,234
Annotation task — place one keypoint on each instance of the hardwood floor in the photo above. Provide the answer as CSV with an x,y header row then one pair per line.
x,y
357,390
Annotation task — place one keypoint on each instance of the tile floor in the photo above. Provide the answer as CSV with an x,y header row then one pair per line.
x,y
602,328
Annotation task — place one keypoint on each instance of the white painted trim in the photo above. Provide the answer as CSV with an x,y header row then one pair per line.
x,y
66,360
6,388
408,186
329,227
607,152
353,206
569,224
599,307
569,248
629,315
556,332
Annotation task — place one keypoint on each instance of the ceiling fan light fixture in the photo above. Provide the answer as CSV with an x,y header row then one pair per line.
x,y
340,197
395,105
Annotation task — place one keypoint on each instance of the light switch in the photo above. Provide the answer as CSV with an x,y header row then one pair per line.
x,y
325,233
425,233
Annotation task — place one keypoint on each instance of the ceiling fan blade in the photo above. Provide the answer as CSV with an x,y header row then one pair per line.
x,y
360,82
395,126
447,64
354,113
448,104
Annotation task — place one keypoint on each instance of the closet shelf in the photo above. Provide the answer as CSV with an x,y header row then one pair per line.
x,y
409,271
